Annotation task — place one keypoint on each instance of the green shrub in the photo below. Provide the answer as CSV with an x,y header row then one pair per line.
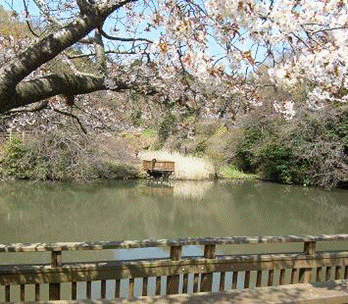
x,y
60,157
200,148
311,149
166,127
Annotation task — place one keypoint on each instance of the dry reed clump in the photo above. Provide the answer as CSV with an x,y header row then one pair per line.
x,y
186,167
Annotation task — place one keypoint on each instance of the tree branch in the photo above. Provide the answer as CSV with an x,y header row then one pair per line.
x,y
94,54
124,39
43,51
27,22
73,116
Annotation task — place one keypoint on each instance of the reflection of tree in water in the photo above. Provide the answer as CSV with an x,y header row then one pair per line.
x,y
118,211
288,209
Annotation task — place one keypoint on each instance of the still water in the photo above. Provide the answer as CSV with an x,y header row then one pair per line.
x,y
43,212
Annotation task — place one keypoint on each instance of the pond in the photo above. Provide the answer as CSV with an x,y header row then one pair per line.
x,y
126,210
43,212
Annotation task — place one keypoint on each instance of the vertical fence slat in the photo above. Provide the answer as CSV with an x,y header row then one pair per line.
x,y
173,280
294,276
158,285
22,292
73,290
207,278
103,289
338,272
319,274
247,279
144,288
328,274
282,277
7,293
222,281
270,277
54,288
305,275
234,280
259,278
195,282
88,289
37,292
117,288
131,288
185,283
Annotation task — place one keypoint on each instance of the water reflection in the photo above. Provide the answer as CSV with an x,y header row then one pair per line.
x,y
42,212
32,212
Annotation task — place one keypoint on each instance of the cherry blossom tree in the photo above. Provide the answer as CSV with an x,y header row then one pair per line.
x,y
179,49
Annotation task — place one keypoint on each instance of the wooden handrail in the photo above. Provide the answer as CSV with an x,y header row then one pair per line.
x,y
201,273
77,246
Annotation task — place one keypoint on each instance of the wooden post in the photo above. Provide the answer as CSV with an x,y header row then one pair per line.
x,y
173,280
207,278
305,274
131,288
309,248
54,288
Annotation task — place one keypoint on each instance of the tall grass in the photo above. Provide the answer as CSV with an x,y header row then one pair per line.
x,y
186,167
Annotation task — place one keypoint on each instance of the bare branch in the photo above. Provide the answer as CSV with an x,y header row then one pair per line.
x,y
46,12
27,22
107,52
124,39
73,116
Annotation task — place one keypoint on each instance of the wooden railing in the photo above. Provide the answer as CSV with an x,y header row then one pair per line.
x,y
176,274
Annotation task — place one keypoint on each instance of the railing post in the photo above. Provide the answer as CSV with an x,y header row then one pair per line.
x,y
305,274
54,288
173,280
207,278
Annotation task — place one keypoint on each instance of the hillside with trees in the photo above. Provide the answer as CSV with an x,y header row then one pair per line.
x,y
256,85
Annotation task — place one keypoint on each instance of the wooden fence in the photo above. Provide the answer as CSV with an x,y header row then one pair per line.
x,y
178,273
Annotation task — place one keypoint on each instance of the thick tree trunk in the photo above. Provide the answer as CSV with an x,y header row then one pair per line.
x,y
16,92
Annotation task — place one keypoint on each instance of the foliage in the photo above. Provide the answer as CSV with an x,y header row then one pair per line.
x,y
309,150
166,127
58,156
231,172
